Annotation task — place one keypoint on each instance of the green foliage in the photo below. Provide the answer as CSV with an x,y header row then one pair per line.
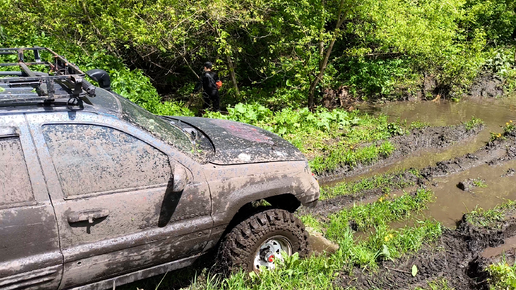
x,y
373,78
479,182
418,125
473,123
287,121
507,129
277,51
390,181
502,275
490,218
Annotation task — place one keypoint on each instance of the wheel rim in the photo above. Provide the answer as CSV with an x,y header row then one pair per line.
x,y
270,251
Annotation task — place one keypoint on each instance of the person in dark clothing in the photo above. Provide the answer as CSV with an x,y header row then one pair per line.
x,y
208,81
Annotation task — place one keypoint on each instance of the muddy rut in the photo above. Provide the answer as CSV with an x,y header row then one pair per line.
x,y
457,256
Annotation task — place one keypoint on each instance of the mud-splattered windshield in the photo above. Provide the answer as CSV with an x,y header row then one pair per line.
x,y
155,125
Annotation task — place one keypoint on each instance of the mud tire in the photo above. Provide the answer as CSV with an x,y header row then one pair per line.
x,y
238,249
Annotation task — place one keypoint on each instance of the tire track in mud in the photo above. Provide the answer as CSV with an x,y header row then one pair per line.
x,y
457,256
430,137
417,140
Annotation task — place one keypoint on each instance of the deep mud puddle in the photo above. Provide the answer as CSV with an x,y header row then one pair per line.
x,y
466,176
495,184
495,113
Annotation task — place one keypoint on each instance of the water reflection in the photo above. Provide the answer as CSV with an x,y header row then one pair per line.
x,y
452,202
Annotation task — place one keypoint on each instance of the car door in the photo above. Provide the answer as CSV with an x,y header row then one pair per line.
x,y
114,197
30,257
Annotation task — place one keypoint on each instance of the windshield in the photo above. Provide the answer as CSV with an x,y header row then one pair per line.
x,y
155,125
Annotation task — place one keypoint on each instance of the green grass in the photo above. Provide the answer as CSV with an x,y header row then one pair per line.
x,y
473,123
503,276
319,272
418,125
343,155
478,182
490,218
386,209
387,182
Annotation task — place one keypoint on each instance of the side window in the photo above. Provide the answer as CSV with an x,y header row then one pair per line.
x,y
15,184
91,159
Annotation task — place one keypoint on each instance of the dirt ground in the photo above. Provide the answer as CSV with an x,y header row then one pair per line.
x,y
457,256
418,139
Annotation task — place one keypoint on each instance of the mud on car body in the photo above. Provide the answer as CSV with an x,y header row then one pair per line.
x,y
96,192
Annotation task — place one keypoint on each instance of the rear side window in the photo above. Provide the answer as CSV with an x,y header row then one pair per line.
x,y
15,184
91,159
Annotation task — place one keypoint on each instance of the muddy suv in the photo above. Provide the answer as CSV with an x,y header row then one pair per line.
x,y
96,192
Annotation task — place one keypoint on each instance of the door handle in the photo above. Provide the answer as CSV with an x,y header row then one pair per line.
x,y
87,215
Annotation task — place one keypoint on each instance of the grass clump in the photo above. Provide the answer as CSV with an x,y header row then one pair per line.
x,y
386,209
418,125
502,275
345,155
473,123
478,182
490,218
387,182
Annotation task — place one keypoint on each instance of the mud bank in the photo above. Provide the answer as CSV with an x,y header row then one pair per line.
x,y
417,140
496,152
456,257
332,205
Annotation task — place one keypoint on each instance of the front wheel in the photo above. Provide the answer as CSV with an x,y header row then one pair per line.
x,y
262,239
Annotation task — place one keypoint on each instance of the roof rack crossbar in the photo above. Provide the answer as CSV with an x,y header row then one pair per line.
x,y
67,75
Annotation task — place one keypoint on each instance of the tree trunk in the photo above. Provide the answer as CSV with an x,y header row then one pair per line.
x,y
231,67
324,62
323,66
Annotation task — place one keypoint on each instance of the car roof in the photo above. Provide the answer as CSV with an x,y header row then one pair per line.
x,y
55,83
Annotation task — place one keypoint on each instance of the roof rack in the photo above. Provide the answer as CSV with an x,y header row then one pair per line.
x,y
64,81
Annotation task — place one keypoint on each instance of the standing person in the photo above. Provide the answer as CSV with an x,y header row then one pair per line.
x,y
208,81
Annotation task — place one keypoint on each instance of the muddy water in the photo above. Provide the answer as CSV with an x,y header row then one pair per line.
x,y
494,112
452,202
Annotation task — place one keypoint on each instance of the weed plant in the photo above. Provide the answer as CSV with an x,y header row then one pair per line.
x,y
319,272
473,123
389,181
478,182
502,275
490,218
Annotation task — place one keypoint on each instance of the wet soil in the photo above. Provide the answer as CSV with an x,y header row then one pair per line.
x,y
456,257
464,251
494,163
418,140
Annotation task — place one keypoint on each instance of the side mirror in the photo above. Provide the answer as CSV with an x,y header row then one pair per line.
x,y
101,77
180,178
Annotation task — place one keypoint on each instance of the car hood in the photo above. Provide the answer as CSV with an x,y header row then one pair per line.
x,y
238,143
